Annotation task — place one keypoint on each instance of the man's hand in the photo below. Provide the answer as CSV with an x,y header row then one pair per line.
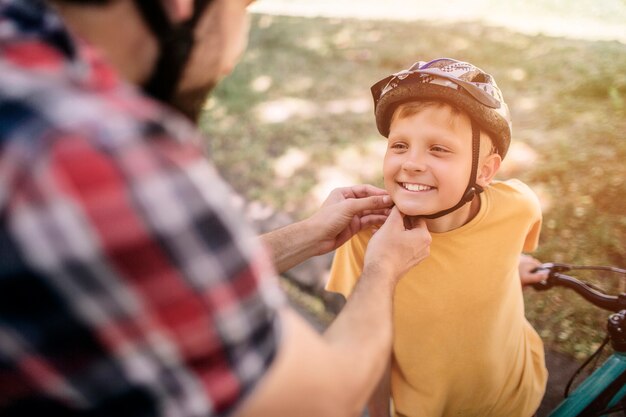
x,y
347,211
526,264
395,249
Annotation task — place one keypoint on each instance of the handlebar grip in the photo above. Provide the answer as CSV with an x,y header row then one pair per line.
x,y
613,303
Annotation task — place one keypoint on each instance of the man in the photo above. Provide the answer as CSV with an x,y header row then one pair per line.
x,y
128,286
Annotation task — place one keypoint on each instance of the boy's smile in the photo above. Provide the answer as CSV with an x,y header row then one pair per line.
x,y
416,187
428,160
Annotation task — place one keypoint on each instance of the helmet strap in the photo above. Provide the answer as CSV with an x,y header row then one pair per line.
x,y
175,45
472,189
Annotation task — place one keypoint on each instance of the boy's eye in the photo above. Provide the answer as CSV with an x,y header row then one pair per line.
x,y
439,149
399,146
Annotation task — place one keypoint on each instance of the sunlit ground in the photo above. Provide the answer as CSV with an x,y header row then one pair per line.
x,y
562,18
296,119
580,19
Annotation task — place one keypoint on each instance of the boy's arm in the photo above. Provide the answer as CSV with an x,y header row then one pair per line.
x,y
379,403
345,212
335,374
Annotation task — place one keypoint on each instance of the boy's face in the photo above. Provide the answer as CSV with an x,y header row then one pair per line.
x,y
428,161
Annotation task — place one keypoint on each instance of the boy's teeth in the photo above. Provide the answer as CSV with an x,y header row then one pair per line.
x,y
416,187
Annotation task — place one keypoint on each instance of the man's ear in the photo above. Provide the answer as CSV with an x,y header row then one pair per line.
x,y
178,10
488,169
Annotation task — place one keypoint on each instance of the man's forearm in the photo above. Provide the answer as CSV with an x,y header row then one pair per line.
x,y
291,245
342,367
364,329
380,401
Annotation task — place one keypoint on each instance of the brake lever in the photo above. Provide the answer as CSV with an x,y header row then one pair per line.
x,y
554,267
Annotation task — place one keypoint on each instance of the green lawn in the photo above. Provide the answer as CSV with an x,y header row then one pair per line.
x,y
295,118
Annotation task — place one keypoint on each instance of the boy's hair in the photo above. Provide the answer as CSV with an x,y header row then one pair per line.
x,y
412,108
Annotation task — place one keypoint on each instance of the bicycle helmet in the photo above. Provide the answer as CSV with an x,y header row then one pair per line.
x,y
460,84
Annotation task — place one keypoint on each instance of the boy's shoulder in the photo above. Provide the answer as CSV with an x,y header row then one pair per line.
x,y
511,186
513,191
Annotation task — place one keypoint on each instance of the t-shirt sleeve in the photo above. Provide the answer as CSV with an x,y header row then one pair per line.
x,y
532,239
535,218
348,264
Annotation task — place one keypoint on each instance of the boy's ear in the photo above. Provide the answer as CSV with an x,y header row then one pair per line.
x,y
488,169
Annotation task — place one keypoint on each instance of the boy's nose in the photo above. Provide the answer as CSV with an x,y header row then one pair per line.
x,y
414,163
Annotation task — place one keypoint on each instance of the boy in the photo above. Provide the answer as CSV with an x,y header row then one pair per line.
x,y
462,346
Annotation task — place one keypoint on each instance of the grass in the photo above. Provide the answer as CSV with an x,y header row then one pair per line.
x,y
296,115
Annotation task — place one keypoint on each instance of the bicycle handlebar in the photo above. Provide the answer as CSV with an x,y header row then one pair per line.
x,y
608,302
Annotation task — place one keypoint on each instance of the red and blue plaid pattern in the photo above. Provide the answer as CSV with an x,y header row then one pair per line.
x,y
128,286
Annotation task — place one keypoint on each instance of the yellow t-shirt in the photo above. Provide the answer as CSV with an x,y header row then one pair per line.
x,y
462,345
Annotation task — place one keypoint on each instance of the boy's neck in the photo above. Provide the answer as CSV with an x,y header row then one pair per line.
x,y
455,219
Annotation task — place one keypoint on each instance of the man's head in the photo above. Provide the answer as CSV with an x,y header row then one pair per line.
x,y
429,157
177,49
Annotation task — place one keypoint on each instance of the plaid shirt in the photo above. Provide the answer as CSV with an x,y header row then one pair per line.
x,y
128,287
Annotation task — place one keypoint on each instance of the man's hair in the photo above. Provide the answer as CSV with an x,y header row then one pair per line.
x,y
84,2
